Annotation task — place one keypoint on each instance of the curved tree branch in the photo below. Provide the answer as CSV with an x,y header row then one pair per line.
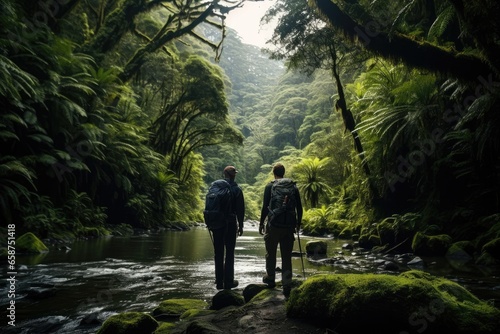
x,y
402,48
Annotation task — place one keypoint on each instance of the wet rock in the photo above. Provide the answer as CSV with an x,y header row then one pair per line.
x,y
264,313
493,248
326,261
91,319
252,290
316,247
348,246
462,251
64,248
416,262
226,298
403,258
40,293
390,266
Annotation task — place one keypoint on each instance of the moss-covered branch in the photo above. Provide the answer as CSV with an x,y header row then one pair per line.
x,y
399,47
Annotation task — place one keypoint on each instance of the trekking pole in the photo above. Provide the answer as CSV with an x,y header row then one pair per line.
x,y
301,258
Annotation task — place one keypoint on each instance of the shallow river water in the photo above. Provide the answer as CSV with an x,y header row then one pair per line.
x,y
65,291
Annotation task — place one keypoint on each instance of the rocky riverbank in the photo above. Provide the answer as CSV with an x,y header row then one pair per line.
x,y
411,302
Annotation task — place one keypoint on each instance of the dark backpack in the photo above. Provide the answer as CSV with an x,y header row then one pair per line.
x,y
218,202
283,203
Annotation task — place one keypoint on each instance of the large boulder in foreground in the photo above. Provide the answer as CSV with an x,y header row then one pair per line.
x,y
413,302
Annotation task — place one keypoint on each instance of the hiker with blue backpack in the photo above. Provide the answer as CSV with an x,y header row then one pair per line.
x,y
223,214
282,208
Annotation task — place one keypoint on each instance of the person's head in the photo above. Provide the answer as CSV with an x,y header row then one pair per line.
x,y
278,169
230,172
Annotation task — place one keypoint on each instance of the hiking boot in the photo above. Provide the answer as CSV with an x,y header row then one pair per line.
x,y
269,281
231,285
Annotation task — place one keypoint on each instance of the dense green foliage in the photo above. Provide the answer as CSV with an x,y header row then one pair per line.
x,y
102,121
123,111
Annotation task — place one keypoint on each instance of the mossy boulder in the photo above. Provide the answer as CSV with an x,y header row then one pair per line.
x,y
485,259
431,245
191,313
174,308
391,235
461,250
316,247
164,328
493,248
29,243
226,298
411,302
251,290
129,323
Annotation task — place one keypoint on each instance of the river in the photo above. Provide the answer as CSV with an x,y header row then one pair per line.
x,y
94,279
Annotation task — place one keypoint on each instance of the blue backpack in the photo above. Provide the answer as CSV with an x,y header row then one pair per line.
x,y
218,201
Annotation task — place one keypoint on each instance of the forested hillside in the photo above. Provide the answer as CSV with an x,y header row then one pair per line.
x,y
122,112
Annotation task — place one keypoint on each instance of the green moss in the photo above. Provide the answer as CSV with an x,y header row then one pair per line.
x,y
431,245
461,249
176,307
493,248
486,259
191,313
29,243
262,296
396,303
164,328
129,323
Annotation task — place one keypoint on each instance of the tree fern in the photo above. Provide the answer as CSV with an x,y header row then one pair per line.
x,y
16,184
442,22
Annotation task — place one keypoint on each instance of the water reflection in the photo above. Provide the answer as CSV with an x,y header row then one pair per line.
x,y
98,278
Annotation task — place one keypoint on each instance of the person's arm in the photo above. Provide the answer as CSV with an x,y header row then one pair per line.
x,y
265,204
240,210
265,208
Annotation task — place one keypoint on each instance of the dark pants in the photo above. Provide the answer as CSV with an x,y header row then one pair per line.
x,y
224,242
285,238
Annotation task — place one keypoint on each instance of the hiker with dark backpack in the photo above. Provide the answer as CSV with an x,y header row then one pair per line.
x,y
223,214
283,209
